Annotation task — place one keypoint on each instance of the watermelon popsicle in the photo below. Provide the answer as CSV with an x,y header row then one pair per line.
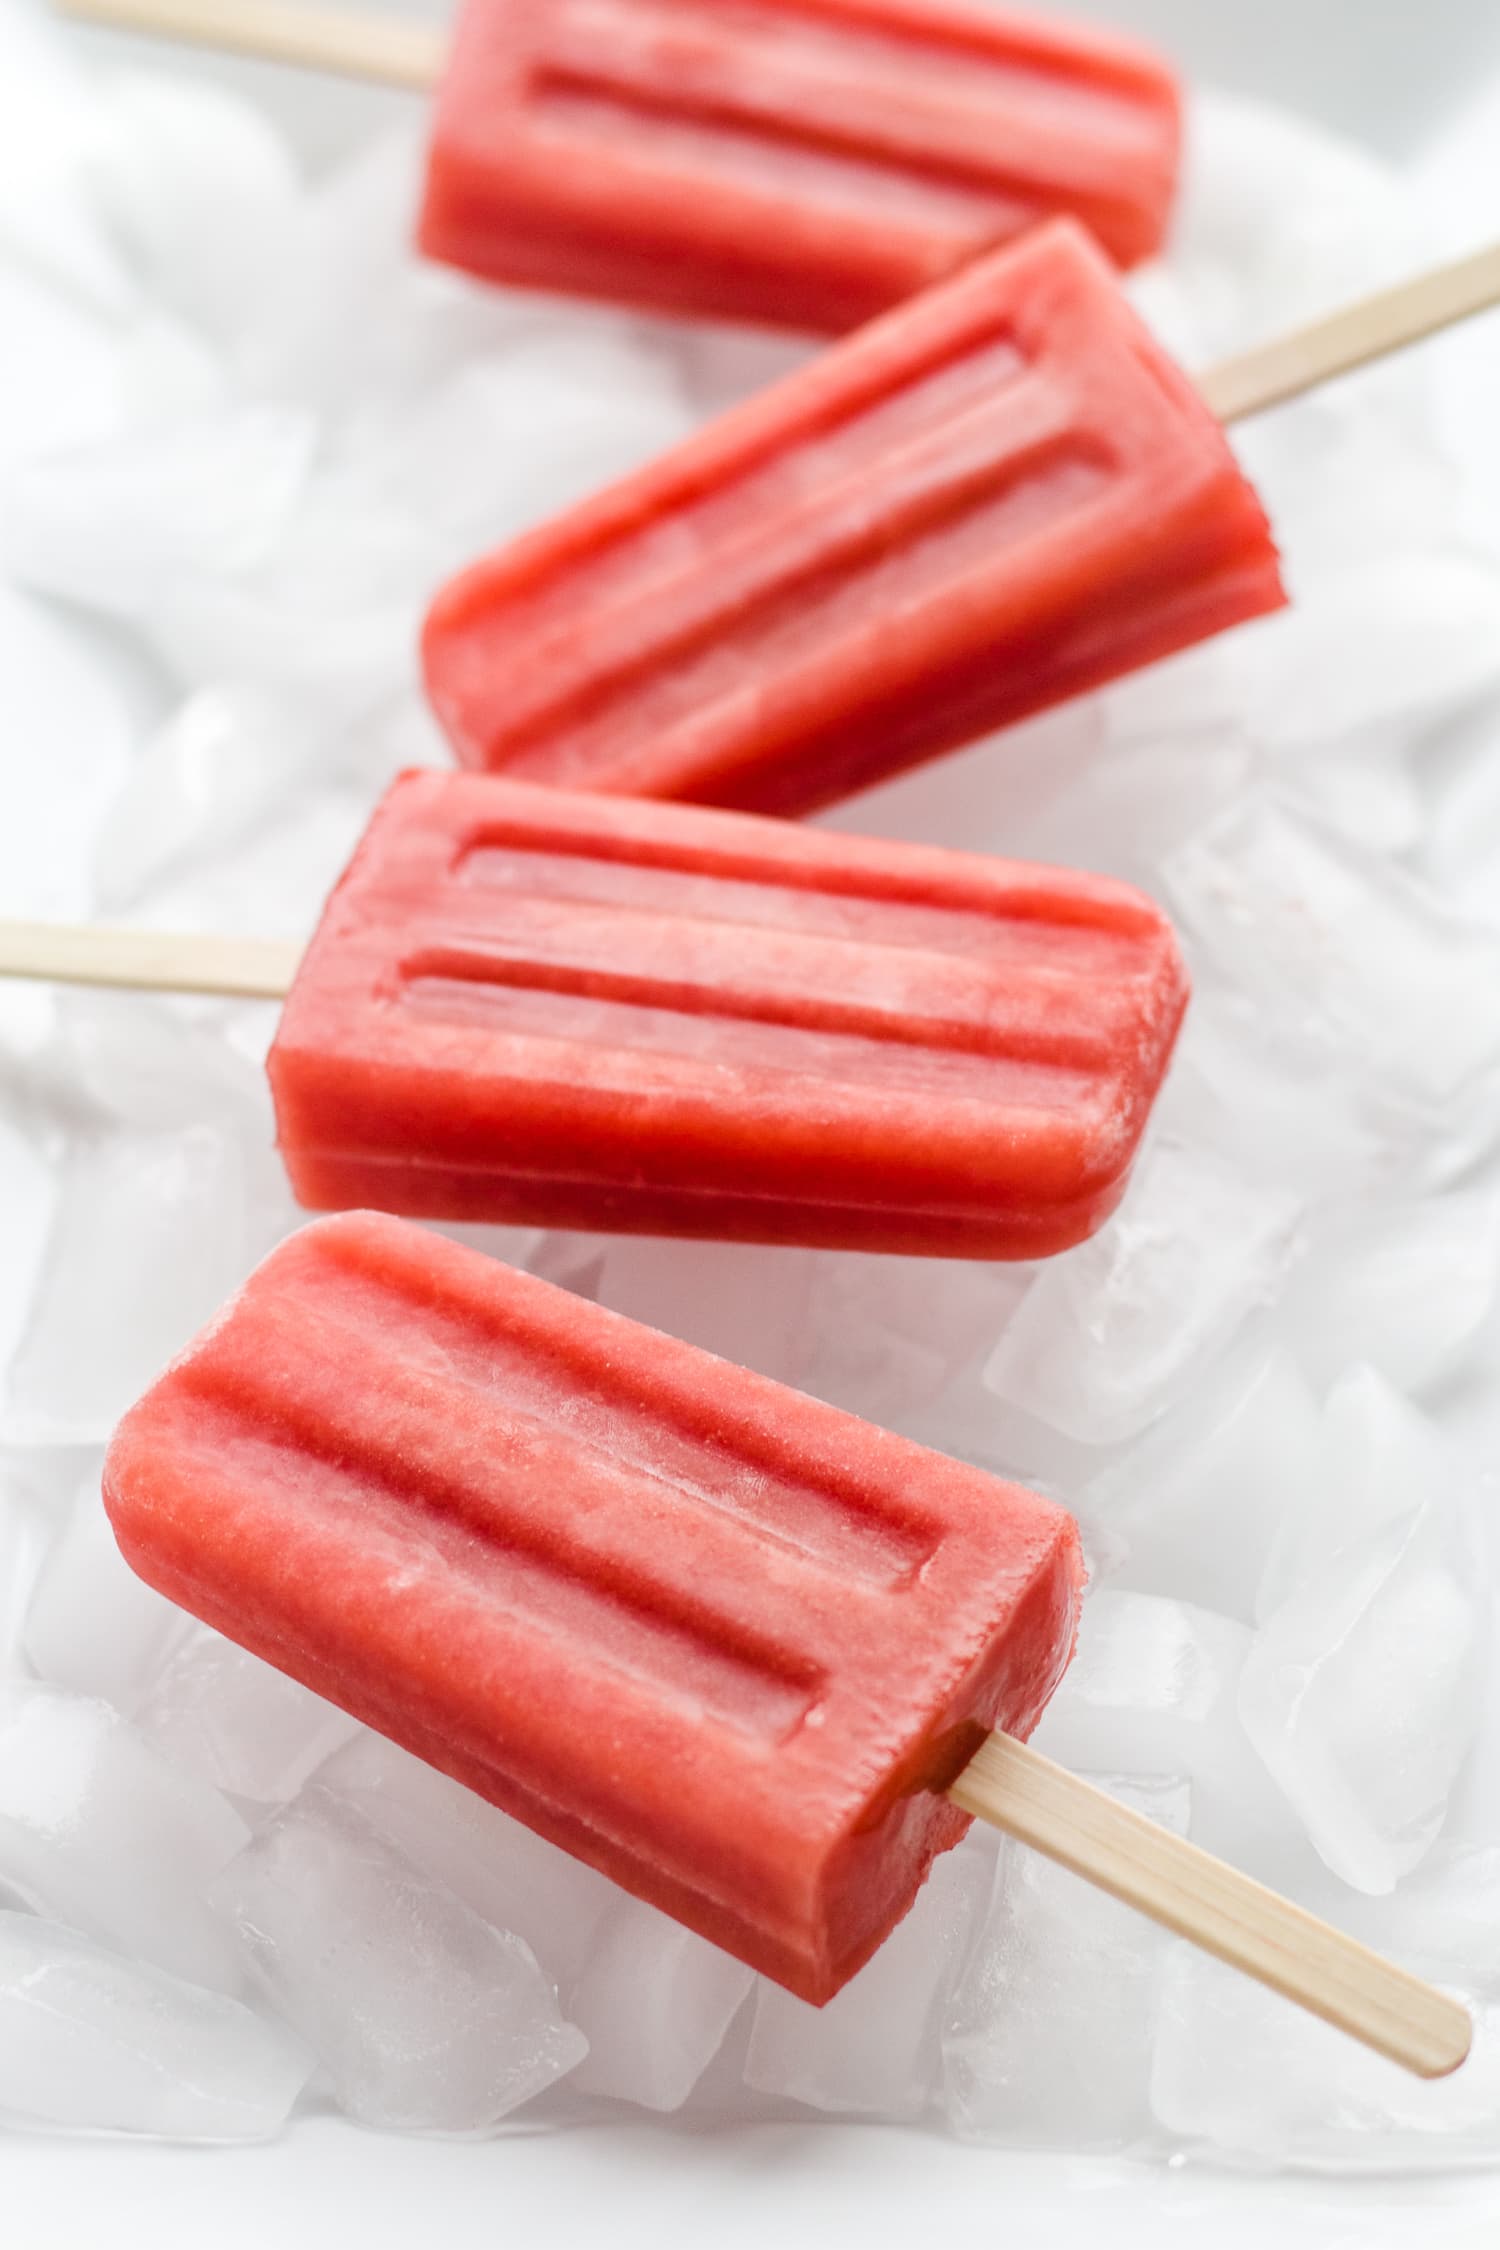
x,y
731,1647
805,163
995,498
802,163
552,1009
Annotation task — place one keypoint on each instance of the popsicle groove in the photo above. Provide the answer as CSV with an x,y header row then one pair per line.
x,y
961,493
434,1529
996,919
532,1427
941,1008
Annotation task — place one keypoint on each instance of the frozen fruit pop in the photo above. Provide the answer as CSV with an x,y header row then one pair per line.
x,y
733,1648
799,162
707,1634
998,496
552,1009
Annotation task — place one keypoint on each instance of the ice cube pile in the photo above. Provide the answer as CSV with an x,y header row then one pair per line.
x,y
243,434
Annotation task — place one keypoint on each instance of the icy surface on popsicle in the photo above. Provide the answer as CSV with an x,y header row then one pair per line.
x,y
538,1009
280,697
805,165
1000,496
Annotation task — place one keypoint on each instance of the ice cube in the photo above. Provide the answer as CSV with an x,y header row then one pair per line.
x,y
227,761
68,703
426,2018
1362,1692
508,1876
149,1238
1392,640
1379,1459
1047,2038
1360,964
874,2050
1107,1336
97,1829
200,194
93,1626
885,1337
1194,1508
218,1711
1445,1917
95,2043
129,525
22,1543
745,1303
1241,2071
655,2002
1404,1287
1152,1690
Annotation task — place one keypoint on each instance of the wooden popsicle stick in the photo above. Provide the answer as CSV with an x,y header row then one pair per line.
x,y
1215,1907
149,960
1372,329
382,48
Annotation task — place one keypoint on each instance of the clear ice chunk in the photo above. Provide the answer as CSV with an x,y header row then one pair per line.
x,y
425,2017
130,525
508,1876
1357,962
92,1625
1403,1287
99,1831
745,1303
1363,1690
1107,1336
1240,2071
1152,1690
91,2042
200,194
149,1238
218,1711
1048,2036
875,2049
655,2001
1194,1509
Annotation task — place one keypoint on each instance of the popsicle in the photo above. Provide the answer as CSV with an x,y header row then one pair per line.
x,y
731,1647
804,163
992,499
554,1009
995,497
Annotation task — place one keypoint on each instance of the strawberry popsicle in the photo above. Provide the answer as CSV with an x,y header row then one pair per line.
x,y
553,1009
719,1640
996,497
801,162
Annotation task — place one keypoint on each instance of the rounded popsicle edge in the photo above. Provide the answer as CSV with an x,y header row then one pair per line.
x,y
1215,1907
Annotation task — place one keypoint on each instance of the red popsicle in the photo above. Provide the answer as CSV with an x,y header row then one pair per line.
x,y
561,1010
715,1638
802,162
996,497
730,1646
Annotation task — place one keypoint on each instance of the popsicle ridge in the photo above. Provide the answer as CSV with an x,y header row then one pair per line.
x,y
654,1016
384,1470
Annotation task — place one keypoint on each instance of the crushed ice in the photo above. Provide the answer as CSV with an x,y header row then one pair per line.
x,y
243,434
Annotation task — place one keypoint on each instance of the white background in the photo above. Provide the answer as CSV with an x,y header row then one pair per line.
x,y
1424,84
